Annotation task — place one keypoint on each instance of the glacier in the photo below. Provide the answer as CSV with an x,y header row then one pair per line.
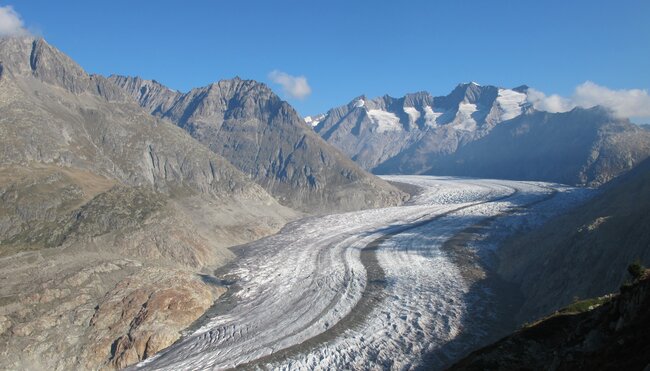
x,y
366,289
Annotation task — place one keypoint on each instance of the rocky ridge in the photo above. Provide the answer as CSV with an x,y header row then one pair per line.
x,y
373,131
263,136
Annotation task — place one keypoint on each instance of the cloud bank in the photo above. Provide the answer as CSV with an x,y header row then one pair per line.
x,y
10,22
622,103
293,86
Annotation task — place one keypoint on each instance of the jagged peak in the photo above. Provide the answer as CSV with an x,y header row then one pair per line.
x,y
33,56
358,102
235,86
421,93
138,82
417,99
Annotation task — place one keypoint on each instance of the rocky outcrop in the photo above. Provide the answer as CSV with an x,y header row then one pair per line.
x,y
134,320
609,336
108,314
264,137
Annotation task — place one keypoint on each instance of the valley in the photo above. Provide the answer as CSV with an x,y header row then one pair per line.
x,y
203,221
376,286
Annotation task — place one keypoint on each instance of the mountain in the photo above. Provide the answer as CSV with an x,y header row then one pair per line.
x,y
585,252
106,210
583,146
607,333
484,131
372,131
263,136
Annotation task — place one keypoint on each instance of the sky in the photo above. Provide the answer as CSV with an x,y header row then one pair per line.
x,y
322,54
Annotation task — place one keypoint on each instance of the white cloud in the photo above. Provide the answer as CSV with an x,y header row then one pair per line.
x,y
622,103
553,103
294,86
10,22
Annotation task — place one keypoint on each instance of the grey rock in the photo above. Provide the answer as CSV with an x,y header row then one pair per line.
x,y
53,112
263,136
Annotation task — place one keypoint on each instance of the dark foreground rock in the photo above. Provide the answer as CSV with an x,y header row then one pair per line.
x,y
613,333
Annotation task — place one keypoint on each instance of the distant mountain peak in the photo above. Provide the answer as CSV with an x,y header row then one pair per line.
x,y
413,133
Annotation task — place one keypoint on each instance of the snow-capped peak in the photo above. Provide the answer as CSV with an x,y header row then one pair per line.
x,y
359,103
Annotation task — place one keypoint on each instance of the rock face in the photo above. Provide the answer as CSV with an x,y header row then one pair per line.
x,y
91,124
148,316
613,336
585,252
484,131
264,137
108,218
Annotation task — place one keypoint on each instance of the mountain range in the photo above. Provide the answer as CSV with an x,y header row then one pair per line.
x,y
484,131
99,195
264,137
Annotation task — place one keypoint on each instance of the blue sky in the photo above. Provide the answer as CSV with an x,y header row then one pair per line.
x,y
348,48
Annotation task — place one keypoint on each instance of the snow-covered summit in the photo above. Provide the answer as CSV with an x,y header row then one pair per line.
x,y
373,130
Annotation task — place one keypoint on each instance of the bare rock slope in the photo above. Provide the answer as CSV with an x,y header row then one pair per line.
x,y
585,252
244,121
102,206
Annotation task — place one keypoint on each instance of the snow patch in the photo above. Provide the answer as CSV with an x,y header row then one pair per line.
x,y
413,113
511,103
359,103
431,116
464,119
313,121
385,121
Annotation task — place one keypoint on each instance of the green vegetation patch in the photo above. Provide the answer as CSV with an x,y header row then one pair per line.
x,y
586,305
